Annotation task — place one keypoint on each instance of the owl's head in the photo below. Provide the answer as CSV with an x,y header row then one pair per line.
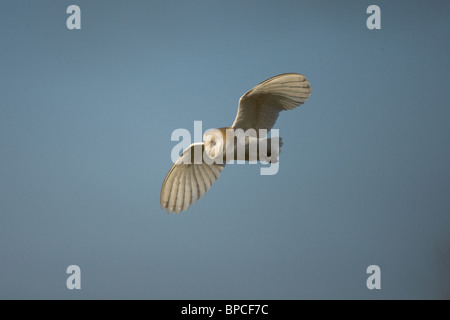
x,y
214,143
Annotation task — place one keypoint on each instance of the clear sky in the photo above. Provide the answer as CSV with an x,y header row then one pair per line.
x,y
86,118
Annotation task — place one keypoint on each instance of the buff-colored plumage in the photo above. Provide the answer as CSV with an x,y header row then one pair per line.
x,y
192,175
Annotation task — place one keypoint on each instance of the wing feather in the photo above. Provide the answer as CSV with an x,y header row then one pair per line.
x,y
200,182
187,189
180,194
186,182
194,186
174,189
259,108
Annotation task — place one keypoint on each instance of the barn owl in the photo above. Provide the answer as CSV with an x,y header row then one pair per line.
x,y
201,164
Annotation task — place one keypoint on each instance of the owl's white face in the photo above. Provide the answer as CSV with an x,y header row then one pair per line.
x,y
214,144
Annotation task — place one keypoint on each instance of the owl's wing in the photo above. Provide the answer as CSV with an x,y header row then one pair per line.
x,y
259,108
188,179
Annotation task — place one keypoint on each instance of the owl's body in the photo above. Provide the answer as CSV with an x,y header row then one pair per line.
x,y
226,144
201,163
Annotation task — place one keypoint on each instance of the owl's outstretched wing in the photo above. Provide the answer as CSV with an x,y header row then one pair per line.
x,y
188,180
259,108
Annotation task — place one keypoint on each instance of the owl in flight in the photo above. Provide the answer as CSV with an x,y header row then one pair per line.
x,y
200,165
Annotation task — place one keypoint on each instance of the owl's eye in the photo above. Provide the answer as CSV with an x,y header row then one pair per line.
x,y
213,142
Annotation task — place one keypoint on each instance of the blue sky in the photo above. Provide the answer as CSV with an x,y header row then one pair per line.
x,y
86,118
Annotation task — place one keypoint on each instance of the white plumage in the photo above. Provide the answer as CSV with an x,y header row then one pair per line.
x,y
200,164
